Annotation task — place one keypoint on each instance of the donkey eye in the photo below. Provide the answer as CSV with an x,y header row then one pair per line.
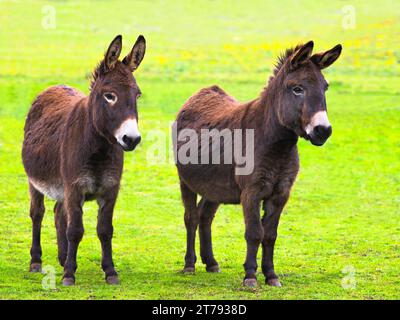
x,y
297,90
110,97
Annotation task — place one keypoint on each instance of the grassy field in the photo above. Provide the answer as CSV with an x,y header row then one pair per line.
x,y
342,223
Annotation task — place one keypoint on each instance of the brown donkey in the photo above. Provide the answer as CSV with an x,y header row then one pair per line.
x,y
292,105
73,152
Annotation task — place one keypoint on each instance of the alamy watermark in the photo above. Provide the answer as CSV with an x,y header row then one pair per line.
x,y
349,280
49,17
213,146
234,147
348,17
49,278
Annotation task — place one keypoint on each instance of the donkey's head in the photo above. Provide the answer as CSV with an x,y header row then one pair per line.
x,y
302,104
114,94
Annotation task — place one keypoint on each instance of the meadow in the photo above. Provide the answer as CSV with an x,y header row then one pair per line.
x,y
339,235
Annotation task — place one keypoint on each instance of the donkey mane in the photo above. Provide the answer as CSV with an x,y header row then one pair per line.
x,y
99,71
268,93
282,58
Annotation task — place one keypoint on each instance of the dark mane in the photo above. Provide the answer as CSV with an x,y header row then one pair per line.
x,y
121,74
97,72
268,92
282,59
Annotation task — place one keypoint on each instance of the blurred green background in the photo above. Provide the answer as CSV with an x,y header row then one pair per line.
x,y
339,236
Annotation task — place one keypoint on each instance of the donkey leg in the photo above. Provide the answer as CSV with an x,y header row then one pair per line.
x,y
189,199
36,213
254,234
73,205
61,227
207,210
272,211
105,233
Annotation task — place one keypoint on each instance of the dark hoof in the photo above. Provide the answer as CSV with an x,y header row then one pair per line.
x,y
112,280
188,270
68,282
35,267
250,283
273,282
213,269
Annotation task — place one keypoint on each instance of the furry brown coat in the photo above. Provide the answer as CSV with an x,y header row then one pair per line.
x,y
292,105
73,152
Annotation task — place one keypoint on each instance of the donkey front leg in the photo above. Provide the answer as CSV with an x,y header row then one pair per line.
x,y
272,211
105,233
73,205
254,234
36,214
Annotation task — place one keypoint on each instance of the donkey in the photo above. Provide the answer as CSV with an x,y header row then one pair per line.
x,y
292,105
73,152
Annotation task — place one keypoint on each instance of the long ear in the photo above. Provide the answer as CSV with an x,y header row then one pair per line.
x,y
302,54
325,59
113,52
135,57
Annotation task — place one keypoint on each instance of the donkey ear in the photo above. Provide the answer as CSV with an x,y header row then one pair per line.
x,y
325,59
113,52
135,57
302,54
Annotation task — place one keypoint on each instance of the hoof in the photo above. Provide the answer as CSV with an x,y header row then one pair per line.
x,y
35,267
68,282
273,282
112,280
250,283
213,269
188,270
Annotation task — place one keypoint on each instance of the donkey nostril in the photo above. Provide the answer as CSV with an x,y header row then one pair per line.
x,y
323,132
319,130
126,140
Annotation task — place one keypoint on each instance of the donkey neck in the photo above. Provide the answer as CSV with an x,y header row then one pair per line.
x,y
93,140
274,135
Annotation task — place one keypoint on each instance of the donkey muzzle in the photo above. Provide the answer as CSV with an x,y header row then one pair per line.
x,y
319,135
127,135
319,129
130,143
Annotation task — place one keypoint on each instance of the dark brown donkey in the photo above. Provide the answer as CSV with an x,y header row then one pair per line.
x,y
292,105
73,152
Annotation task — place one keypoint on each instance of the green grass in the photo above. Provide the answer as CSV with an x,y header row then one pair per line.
x,y
344,209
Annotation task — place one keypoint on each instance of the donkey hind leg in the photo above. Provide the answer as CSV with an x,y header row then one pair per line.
x,y
189,199
272,211
36,213
207,210
61,227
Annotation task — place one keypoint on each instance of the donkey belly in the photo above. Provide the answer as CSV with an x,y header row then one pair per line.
x,y
52,190
216,183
